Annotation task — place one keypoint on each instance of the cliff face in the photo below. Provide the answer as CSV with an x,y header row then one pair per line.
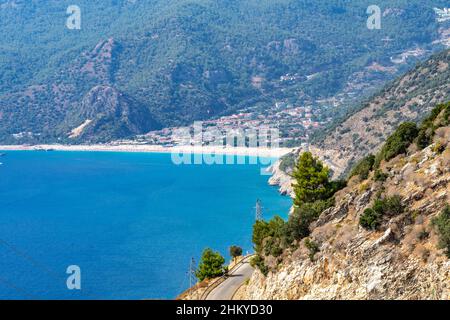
x,y
401,260
281,175
281,179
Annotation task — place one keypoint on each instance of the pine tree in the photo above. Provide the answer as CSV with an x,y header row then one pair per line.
x,y
311,180
211,265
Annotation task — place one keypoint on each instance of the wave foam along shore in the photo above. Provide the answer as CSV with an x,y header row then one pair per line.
x,y
236,151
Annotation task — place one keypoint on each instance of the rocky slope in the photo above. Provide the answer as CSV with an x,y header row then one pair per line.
x,y
400,260
281,179
409,98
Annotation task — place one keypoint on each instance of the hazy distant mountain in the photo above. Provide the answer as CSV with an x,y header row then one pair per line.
x,y
137,65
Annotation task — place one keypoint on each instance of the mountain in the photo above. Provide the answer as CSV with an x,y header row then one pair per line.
x,y
85,101
385,237
153,64
409,98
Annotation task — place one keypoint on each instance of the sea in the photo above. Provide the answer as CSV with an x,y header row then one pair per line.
x,y
111,225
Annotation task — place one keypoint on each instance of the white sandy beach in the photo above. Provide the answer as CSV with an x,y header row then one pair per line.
x,y
238,151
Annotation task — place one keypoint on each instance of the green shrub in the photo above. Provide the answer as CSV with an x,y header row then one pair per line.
x,y
389,206
313,248
378,206
335,186
370,219
257,262
380,175
262,230
302,217
398,142
423,138
430,125
272,247
393,205
442,224
363,167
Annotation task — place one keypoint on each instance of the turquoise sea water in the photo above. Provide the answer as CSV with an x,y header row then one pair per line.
x,y
130,221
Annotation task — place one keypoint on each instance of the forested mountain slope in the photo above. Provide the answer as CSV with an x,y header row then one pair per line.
x,y
152,64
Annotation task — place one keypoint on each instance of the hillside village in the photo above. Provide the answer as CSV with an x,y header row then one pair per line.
x,y
290,120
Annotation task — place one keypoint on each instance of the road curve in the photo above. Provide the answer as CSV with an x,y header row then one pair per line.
x,y
227,289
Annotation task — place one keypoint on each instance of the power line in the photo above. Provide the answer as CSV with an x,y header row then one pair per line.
x,y
37,264
183,281
29,258
17,289
191,274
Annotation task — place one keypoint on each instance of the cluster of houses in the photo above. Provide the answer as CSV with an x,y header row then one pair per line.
x,y
442,14
292,122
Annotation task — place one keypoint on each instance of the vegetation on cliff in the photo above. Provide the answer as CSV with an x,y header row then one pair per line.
x,y
313,194
311,178
399,143
364,130
387,235
363,167
401,139
383,207
442,224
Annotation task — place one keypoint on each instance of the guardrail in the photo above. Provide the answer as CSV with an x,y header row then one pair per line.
x,y
220,280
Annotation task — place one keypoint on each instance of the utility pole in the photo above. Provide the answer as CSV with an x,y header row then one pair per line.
x,y
258,211
191,274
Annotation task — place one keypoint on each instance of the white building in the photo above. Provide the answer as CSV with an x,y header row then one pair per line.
x,y
442,14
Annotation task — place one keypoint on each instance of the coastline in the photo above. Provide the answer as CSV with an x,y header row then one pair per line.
x,y
235,151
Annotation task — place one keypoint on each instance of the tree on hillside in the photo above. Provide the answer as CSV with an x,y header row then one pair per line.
x,y
398,142
235,252
262,231
211,265
303,215
311,180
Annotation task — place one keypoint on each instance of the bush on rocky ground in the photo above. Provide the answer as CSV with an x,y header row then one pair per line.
x,y
442,225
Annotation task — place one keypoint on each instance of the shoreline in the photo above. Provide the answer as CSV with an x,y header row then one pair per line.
x,y
234,151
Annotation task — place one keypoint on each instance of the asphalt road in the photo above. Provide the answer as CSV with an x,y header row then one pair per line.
x,y
227,289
